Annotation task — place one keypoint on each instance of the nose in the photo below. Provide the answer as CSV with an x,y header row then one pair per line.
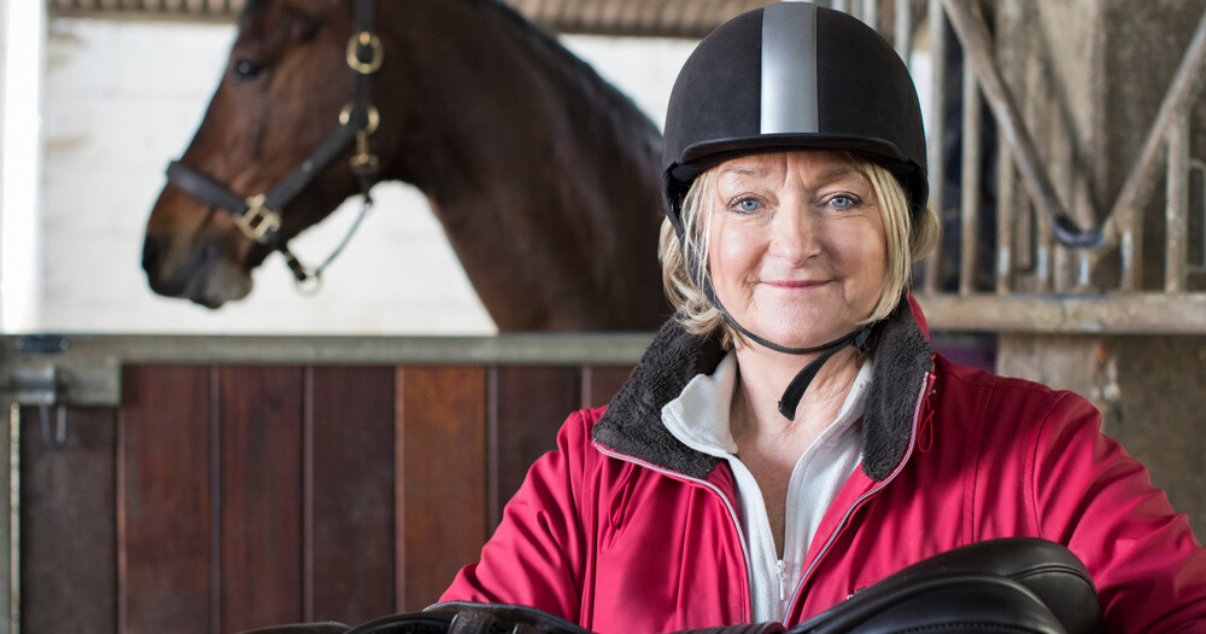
x,y
795,232
150,256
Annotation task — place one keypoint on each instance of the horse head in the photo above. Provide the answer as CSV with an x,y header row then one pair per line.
x,y
286,82
543,176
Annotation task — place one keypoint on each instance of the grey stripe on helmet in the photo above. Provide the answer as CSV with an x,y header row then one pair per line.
x,y
789,68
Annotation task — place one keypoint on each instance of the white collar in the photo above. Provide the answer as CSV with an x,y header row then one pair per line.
x,y
699,417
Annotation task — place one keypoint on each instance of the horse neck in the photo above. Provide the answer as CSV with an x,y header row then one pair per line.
x,y
529,162
479,88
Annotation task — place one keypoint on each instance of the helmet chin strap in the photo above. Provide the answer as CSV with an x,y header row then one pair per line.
x,y
790,401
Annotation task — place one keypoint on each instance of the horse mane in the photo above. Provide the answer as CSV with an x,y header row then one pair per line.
x,y
575,68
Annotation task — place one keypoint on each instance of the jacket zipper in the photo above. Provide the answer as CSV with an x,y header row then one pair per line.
x,y
711,487
925,387
782,582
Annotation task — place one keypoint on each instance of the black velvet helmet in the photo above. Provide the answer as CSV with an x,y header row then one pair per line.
x,y
793,76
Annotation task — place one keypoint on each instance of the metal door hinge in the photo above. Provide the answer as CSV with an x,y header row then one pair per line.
x,y
41,387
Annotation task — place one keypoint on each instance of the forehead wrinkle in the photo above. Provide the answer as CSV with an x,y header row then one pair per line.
x,y
742,170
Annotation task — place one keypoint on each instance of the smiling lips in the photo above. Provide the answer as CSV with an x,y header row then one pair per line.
x,y
796,284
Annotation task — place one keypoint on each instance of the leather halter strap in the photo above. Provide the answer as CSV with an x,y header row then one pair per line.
x,y
258,216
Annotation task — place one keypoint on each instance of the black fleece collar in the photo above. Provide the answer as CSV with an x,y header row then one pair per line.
x,y
632,424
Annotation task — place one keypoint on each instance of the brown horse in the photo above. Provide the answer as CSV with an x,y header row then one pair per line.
x,y
543,175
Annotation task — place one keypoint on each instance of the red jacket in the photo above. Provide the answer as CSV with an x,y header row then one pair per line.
x,y
625,530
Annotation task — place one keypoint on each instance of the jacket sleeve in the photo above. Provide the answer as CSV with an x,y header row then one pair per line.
x,y
1089,495
535,557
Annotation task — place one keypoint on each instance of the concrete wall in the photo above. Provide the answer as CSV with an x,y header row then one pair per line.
x,y
123,98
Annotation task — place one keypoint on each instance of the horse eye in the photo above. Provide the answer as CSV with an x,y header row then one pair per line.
x,y
245,69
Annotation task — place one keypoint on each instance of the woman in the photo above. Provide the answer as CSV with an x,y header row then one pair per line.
x,y
790,438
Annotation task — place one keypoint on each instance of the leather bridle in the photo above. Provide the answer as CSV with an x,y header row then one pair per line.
x,y
259,216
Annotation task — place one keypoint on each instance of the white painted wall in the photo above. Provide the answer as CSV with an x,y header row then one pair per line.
x,y
122,98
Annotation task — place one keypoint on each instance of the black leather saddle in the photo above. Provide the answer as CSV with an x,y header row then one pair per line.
x,y
1017,585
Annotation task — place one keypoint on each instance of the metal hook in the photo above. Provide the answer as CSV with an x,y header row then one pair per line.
x,y
56,439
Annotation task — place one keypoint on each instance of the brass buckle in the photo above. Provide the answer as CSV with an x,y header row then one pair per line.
x,y
258,220
364,38
364,159
374,117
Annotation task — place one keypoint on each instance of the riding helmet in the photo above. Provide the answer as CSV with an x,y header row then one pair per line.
x,y
793,76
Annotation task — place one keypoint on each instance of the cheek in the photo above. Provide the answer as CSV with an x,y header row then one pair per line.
x,y
733,253
861,252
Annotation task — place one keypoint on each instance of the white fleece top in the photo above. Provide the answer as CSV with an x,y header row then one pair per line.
x,y
699,418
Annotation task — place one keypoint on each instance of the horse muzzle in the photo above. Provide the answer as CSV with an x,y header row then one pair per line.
x,y
209,275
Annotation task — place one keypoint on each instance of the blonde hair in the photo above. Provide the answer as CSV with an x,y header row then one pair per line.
x,y
699,316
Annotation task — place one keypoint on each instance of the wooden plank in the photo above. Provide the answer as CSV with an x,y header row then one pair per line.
x,y
260,439
528,405
68,537
350,445
601,382
441,489
163,507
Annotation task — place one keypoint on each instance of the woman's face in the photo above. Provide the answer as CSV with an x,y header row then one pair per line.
x,y
798,253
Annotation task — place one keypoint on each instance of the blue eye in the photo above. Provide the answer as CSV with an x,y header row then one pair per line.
x,y
842,201
748,205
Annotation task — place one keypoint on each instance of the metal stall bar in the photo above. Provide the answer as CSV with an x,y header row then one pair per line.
x,y
1006,205
934,144
1008,29
903,27
1176,263
1060,158
870,13
1040,228
973,35
970,199
1125,221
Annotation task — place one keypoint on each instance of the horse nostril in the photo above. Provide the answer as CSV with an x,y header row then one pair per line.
x,y
150,256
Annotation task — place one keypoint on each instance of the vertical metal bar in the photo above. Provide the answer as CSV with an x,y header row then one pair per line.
x,y
903,23
934,148
1176,263
841,5
1125,220
1006,204
969,202
1037,90
973,33
870,13
1059,168
1009,57
1195,242
1086,260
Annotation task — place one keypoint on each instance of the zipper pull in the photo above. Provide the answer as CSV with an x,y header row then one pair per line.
x,y
782,583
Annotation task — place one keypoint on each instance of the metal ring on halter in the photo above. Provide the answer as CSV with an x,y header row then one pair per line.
x,y
374,118
364,38
311,285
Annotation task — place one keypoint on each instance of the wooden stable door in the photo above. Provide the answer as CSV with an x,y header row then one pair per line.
x,y
222,498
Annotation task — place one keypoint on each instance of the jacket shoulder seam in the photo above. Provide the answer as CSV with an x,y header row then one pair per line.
x,y
1032,456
